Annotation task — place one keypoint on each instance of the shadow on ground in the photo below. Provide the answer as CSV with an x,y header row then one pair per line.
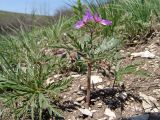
x,y
114,97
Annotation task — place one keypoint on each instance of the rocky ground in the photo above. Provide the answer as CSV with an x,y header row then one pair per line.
x,y
137,99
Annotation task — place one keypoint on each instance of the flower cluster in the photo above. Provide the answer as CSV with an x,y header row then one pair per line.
x,y
89,17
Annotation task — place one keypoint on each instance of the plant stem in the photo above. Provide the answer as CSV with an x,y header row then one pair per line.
x,y
88,97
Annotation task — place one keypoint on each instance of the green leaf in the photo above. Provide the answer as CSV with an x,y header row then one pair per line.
x,y
57,87
107,45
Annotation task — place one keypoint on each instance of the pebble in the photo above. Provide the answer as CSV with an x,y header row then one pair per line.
x,y
99,105
80,93
123,95
96,79
64,96
75,76
110,114
86,112
145,54
100,86
149,103
105,118
80,99
93,111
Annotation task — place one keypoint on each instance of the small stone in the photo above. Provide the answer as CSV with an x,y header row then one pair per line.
x,y
50,80
93,100
96,79
145,54
61,53
99,105
113,68
82,102
65,34
86,112
105,118
156,91
80,99
98,98
110,114
122,51
149,103
157,42
24,69
70,98
72,117
82,88
83,107
93,111
80,93
123,95
100,86
57,76
75,76
135,41
77,103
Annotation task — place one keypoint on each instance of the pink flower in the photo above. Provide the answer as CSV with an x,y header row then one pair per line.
x,y
89,17
86,18
101,21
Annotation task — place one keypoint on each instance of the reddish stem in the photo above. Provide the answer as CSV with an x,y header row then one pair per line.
x,y
88,97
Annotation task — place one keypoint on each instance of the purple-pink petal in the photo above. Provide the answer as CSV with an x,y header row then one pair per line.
x,y
79,24
105,22
97,18
87,17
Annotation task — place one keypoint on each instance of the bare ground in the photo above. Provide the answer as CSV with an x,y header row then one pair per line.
x,y
125,101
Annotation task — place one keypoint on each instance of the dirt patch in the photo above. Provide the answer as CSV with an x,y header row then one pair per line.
x,y
124,101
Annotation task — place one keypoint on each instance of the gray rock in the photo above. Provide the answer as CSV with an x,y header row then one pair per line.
x,y
80,99
149,103
93,111
123,95
86,112
139,117
105,118
145,54
99,105
100,86
77,103
96,79
80,93
110,114
75,76
52,79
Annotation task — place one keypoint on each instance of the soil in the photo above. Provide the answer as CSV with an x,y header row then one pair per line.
x,y
105,96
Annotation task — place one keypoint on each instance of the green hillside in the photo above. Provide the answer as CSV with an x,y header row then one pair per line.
x,y
11,20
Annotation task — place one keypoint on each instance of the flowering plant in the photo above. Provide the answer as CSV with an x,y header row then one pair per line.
x,y
89,52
